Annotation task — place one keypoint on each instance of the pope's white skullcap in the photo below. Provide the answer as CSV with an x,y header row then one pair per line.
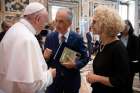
x,y
33,8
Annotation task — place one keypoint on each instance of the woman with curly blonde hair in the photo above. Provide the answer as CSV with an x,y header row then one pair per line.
x,y
110,66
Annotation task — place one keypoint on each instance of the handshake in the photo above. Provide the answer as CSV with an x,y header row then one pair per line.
x,y
47,54
52,71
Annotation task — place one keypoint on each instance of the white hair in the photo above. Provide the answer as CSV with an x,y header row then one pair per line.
x,y
69,12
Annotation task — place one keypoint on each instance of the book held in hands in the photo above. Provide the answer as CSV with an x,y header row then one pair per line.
x,y
69,55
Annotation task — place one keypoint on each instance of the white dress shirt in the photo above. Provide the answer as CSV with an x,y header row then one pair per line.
x,y
66,35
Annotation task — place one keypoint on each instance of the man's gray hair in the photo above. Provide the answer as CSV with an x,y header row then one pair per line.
x,y
69,12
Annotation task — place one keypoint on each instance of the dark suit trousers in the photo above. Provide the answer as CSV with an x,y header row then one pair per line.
x,y
65,85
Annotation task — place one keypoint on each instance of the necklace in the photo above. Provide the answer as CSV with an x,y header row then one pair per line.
x,y
101,48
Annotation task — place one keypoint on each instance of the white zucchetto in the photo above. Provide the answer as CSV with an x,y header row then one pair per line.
x,y
33,8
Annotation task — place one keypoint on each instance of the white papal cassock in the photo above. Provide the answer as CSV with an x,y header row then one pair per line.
x,y
22,66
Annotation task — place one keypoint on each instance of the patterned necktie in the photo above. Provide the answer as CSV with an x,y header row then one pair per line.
x,y
63,38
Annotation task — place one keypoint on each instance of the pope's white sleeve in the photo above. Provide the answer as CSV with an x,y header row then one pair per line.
x,y
38,86
47,80
27,87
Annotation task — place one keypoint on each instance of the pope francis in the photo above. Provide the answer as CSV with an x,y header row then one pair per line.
x,y
22,65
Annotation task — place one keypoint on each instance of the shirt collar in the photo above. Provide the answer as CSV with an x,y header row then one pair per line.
x,y
124,37
28,25
66,35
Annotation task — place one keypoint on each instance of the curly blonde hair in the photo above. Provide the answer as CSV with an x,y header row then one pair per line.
x,y
108,20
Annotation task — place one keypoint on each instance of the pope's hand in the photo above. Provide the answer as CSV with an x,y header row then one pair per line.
x,y
53,72
47,53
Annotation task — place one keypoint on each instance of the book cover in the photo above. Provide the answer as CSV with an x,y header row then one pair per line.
x,y
69,54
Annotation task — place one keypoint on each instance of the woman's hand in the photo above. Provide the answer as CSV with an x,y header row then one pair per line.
x,y
91,78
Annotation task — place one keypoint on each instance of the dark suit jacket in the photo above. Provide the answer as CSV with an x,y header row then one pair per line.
x,y
139,54
74,42
2,35
89,42
89,37
133,51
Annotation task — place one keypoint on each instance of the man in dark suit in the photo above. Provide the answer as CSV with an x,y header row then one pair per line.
x,y
5,25
68,78
89,36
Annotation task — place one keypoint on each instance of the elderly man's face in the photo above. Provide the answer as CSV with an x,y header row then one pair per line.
x,y
43,19
61,22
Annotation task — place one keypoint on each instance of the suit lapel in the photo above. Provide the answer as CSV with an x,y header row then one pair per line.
x,y
70,38
128,42
55,39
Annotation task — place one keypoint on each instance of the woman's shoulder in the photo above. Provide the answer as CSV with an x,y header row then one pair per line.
x,y
119,47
